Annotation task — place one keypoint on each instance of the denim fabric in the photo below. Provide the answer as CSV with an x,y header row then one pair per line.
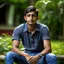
x,y
12,57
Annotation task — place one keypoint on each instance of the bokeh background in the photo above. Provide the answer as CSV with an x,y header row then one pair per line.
x,y
51,13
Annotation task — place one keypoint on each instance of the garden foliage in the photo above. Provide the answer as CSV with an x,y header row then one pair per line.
x,y
6,45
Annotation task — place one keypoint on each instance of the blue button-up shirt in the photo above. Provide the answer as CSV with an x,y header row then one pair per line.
x,y
31,42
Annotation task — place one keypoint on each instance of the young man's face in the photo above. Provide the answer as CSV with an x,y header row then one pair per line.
x,y
31,18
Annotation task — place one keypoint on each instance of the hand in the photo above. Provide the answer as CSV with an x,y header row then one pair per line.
x,y
27,56
33,59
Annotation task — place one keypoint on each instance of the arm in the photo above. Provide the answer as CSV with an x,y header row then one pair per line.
x,y
47,47
46,40
16,42
15,46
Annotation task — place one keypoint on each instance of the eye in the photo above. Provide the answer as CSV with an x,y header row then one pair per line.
x,y
33,15
28,15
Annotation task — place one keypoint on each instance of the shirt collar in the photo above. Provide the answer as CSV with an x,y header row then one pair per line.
x,y
26,27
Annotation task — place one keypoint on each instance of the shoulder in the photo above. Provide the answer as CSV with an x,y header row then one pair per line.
x,y
42,26
20,27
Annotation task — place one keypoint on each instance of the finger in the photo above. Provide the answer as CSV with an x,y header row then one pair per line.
x,y
33,62
30,59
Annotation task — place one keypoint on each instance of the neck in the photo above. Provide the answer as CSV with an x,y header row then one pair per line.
x,y
32,27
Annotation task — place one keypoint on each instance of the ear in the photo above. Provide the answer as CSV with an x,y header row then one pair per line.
x,y
37,17
25,17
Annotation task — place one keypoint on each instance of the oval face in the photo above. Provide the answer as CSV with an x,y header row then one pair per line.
x,y
31,18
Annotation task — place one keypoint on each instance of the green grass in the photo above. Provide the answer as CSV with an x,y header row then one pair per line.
x,y
57,47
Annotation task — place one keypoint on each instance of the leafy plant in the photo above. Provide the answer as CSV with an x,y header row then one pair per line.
x,y
5,43
58,47
51,13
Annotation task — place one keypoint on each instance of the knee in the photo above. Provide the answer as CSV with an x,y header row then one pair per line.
x,y
9,55
51,56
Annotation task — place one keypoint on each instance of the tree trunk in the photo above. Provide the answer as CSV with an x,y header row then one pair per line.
x,y
10,15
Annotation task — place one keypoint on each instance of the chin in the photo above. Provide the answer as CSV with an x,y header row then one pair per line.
x,y
30,24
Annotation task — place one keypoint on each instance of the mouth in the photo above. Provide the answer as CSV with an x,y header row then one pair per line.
x,y
31,21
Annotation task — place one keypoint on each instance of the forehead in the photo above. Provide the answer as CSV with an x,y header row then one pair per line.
x,y
32,12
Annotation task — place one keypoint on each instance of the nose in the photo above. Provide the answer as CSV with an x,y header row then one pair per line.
x,y
31,17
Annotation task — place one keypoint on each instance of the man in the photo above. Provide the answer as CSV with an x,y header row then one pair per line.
x,y
36,40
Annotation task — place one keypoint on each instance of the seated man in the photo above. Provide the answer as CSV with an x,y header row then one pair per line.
x,y
36,40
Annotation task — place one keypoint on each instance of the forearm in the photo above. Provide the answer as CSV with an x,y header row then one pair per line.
x,y
45,51
47,47
14,49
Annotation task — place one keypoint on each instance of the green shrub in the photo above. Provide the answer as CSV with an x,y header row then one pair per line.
x,y
57,47
6,45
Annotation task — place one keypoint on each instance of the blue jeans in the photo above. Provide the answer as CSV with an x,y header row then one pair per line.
x,y
12,57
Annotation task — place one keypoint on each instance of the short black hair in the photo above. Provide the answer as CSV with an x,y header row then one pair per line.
x,y
29,9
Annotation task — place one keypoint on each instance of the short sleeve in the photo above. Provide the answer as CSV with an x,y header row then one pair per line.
x,y
16,34
45,33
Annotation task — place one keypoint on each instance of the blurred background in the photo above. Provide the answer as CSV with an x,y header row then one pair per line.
x,y
11,14
51,13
